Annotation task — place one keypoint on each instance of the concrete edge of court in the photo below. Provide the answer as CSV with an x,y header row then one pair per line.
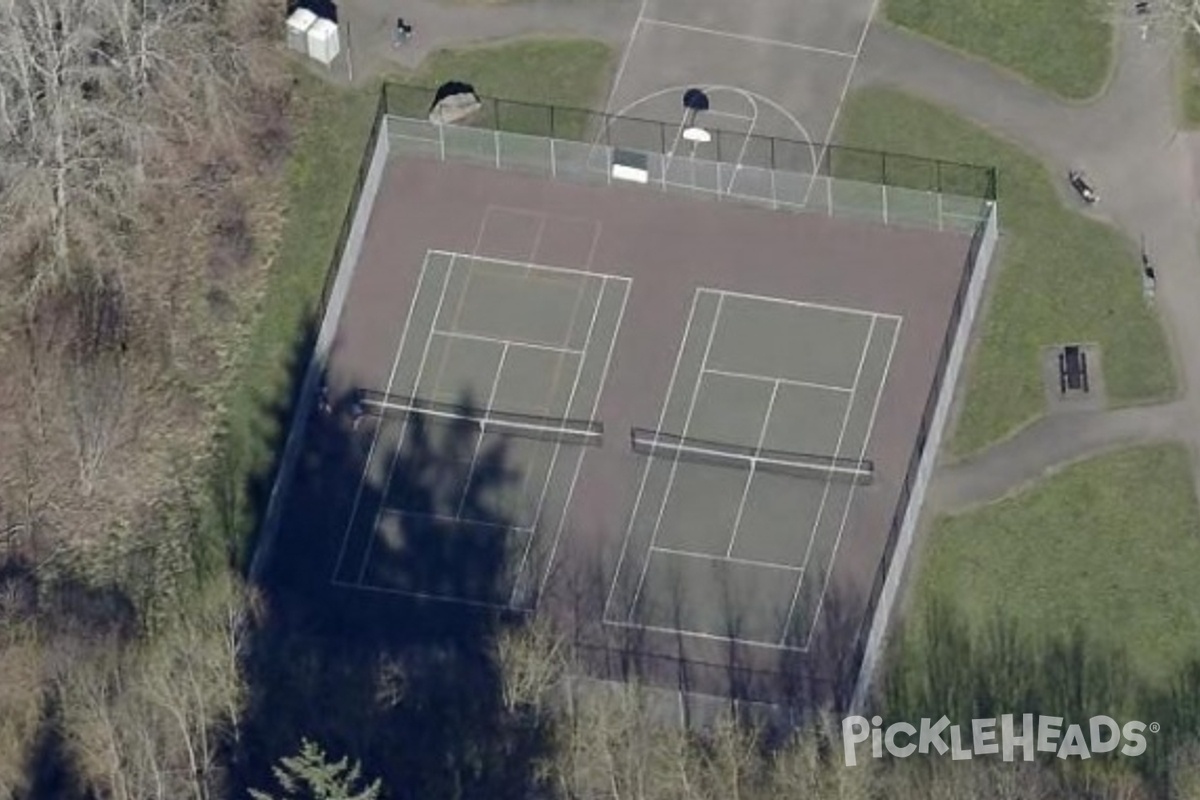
x,y
329,323
346,265
941,416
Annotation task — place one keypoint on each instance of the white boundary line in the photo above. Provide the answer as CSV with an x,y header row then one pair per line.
x,y
750,562
762,436
441,598
717,87
362,481
746,37
750,376
837,449
837,110
804,304
649,463
541,267
392,511
559,361
612,92
687,421
557,446
642,626
404,426
711,113
887,368
487,414
514,342
737,165
612,346
483,423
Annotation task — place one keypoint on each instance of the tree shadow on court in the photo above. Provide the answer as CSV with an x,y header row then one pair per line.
x,y
771,688
351,648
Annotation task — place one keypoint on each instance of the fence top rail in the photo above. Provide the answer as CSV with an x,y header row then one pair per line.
x,y
980,180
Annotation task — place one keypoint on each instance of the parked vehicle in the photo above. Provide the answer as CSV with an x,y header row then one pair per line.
x,y
1082,186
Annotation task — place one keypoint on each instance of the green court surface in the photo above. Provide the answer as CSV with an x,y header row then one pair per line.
x,y
738,550
496,356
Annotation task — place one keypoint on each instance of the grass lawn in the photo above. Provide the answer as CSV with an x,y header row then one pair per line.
x,y
320,178
568,72
1075,550
1061,276
1189,80
572,74
1065,46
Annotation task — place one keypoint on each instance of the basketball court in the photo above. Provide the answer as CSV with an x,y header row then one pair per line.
x,y
773,69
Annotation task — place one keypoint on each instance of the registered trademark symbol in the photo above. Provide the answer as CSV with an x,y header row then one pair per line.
x,y
1155,727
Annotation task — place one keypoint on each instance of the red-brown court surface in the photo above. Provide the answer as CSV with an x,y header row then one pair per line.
x,y
668,245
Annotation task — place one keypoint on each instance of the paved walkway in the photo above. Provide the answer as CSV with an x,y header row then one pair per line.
x,y
1147,177
438,24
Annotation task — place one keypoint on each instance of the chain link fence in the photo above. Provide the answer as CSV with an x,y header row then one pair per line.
x,y
578,144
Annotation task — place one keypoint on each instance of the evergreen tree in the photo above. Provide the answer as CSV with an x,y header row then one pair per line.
x,y
311,776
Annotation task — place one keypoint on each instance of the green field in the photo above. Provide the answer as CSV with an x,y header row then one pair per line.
x,y
1111,545
1059,277
1189,80
320,179
1066,47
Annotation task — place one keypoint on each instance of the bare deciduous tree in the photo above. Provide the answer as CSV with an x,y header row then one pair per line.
x,y
147,721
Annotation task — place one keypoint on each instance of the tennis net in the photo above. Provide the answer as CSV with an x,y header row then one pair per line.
x,y
721,454
507,423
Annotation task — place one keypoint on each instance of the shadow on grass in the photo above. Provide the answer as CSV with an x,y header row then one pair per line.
x,y
346,653
71,622
950,668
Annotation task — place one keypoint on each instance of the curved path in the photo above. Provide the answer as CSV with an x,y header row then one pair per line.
x,y
1146,173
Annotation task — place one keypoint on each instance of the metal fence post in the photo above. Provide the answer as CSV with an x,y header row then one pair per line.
x,y
495,114
551,122
883,172
937,167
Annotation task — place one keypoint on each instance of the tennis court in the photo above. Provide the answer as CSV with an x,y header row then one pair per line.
x,y
496,357
752,468
678,428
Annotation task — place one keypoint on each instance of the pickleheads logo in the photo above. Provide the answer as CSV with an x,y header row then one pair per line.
x,y
1046,735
